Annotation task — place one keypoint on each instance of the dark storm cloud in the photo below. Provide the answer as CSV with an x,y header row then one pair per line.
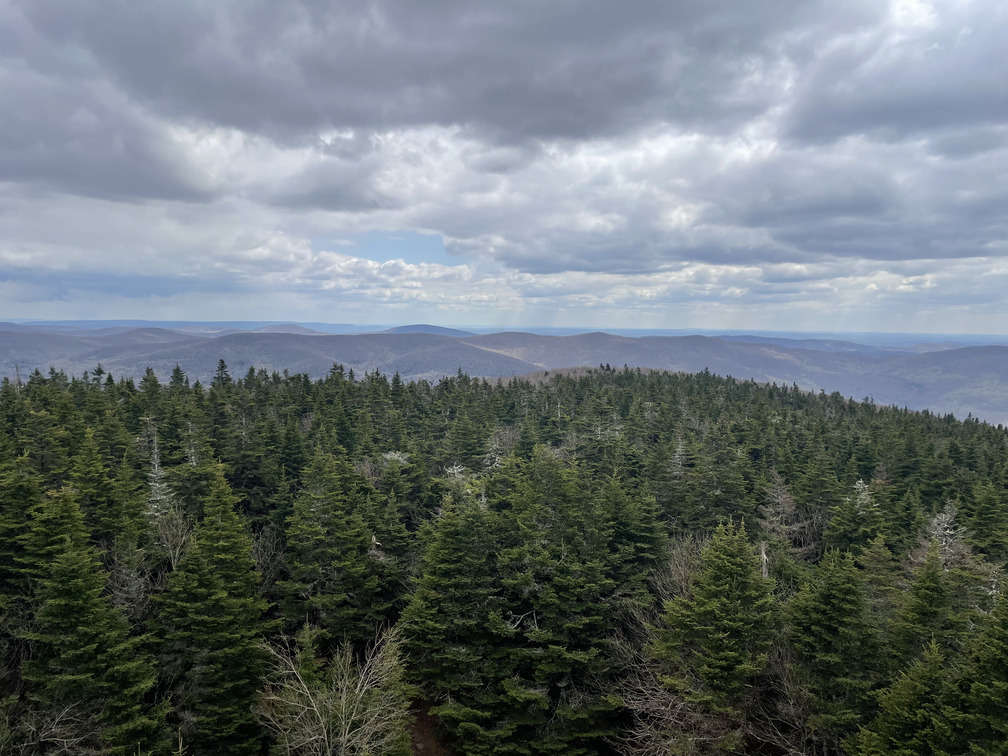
x,y
69,137
517,70
65,127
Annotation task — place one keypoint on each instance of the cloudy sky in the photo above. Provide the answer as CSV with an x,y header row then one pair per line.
x,y
783,164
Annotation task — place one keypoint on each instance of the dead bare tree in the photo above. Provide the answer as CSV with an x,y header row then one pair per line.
x,y
69,729
781,518
674,577
350,707
129,584
952,540
169,524
267,551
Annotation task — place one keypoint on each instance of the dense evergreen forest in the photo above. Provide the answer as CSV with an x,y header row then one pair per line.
x,y
603,561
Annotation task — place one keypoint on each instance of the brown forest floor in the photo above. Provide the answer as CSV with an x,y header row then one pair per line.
x,y
423,734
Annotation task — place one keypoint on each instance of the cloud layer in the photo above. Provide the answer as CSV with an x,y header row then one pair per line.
x,y
734,165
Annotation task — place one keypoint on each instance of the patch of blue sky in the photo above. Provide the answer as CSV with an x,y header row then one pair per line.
x,y
382,246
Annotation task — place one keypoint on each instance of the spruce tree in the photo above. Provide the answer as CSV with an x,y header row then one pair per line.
x,y
854,521
883,584
979,699
455,631
912,718
96,492
926,610
987,520
636,541
817,487
332,581
718,485
835,645
210,624
903,521
714,643
554,583
85,662
52,520
20,497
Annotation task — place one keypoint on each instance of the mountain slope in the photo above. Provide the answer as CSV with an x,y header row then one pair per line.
x,y
965,380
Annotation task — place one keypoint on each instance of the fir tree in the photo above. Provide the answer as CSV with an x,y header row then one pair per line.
x,y
979,700
836,648
855,520
96,492
925,614
85,662
20,497
987,520
817,487
912,718
882,579
210,625
455,631
333,583
554,583
715,642
54,519
903,521
718,484
636,541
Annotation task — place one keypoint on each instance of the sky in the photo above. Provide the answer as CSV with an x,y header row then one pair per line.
x,y
773,165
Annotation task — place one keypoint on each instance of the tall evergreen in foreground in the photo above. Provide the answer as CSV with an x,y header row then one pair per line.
x,y
835,645
556,590
455,632
210,624
912,718
88,681
980,696
713,644
332,583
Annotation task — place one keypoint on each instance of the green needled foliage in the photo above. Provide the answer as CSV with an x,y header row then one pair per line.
x,y
637,541
20,501
52,521
912,718
333,583
713,643
980,696
926,611
556,589
96,492
455,632
855,521
987,520
542,541
86,667
210,624
884,587
718,485
835,645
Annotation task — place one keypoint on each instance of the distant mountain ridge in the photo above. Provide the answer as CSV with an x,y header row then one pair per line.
x,y
962,380
424,328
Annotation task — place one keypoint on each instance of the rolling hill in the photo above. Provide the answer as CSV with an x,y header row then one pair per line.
x,y
959,380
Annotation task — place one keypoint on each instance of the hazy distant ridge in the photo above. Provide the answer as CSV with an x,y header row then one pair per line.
x,y
970,379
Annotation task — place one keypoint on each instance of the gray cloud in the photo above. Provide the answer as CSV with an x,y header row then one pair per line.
x,y
522,70
618,161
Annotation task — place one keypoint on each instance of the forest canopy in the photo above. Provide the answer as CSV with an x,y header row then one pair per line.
x,y
600,561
